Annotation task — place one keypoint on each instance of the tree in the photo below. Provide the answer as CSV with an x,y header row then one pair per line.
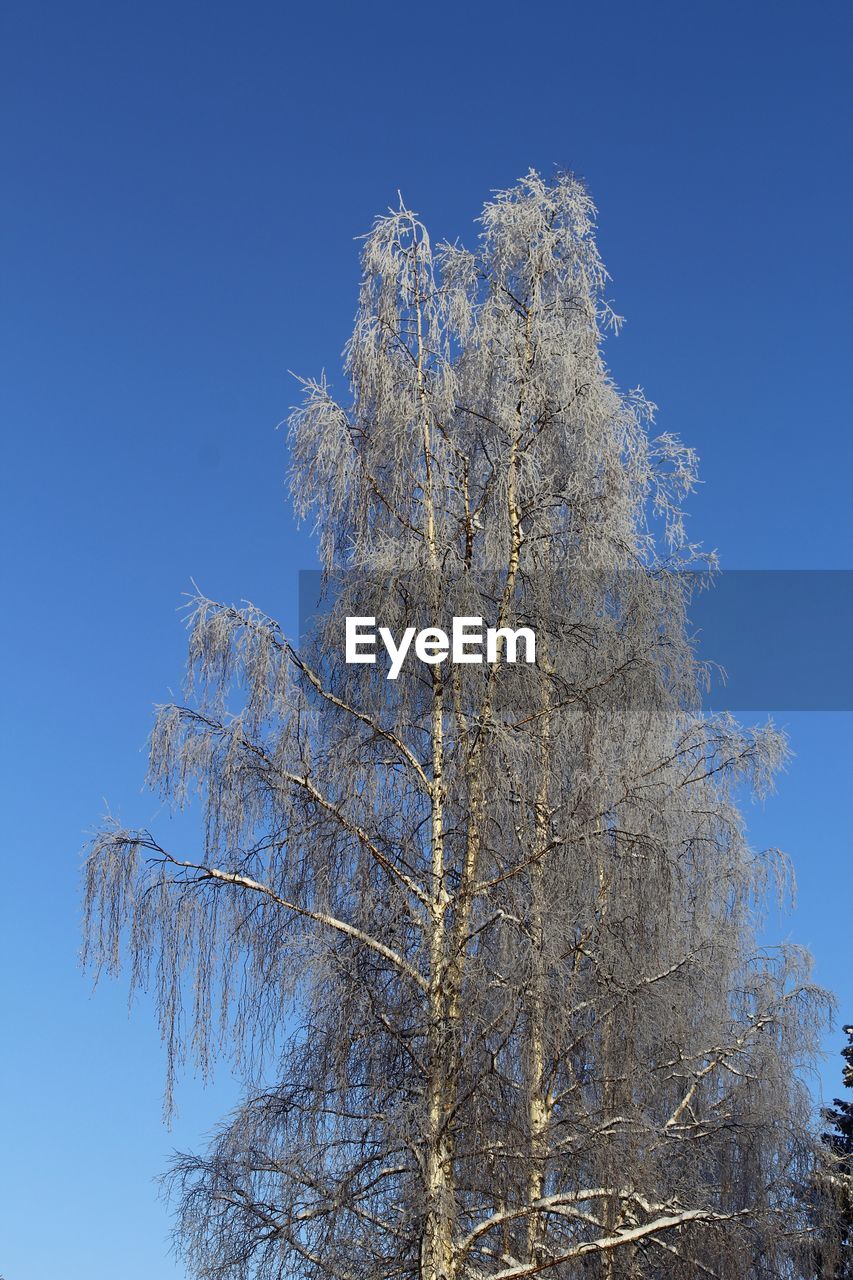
x,y
833,1183
482,938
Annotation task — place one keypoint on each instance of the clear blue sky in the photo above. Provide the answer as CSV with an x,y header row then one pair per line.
x,y
183,183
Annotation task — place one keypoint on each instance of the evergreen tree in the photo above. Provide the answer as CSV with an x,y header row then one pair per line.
x,y
835,1181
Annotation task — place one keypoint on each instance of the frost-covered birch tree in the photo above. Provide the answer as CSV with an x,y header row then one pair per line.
x,y
482,939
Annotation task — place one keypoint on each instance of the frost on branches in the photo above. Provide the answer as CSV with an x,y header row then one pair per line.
x,y
482,940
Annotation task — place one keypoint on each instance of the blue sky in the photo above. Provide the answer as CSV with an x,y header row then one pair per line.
x,y
183,184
